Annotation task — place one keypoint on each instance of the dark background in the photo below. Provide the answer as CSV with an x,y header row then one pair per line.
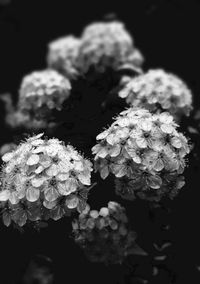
x,y
167,33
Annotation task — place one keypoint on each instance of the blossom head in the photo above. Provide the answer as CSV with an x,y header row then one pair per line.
x,y
159,91
62,55
105,45
44,176
139,142
104,235
43,91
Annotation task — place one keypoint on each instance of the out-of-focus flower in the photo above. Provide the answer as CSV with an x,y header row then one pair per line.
x,y
43,179
106,45
39,270
105,235
62,55
158,91
40,93
43,90
141,146
8,147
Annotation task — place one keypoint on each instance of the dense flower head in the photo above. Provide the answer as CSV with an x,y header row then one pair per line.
x,y
62,55
104,235
43,90
46,176
105,44
141,142
157,90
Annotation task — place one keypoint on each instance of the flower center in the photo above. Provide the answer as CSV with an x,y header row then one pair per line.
x,y
146,134
53,182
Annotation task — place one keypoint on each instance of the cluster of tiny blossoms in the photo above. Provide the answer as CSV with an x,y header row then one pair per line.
x,y
62,55
105,45
104,234
157,90
102,45
42,91
141,144
43,179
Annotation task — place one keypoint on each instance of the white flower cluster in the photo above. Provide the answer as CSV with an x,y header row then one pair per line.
x,y
157,90
105,45
102,45
62,55
43,90
141,142
104,235
43,177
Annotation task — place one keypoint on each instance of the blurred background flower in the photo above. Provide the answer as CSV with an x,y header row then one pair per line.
x,y
104,235
158,91
63,55
40,93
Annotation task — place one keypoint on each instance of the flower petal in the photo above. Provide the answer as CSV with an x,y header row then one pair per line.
x,y
51,194
32,194
154,182
37,182
52,170
49,205
72,202
7,157
62,177
115,150
84,178
13,198
6,219
104,172
4,195
33,160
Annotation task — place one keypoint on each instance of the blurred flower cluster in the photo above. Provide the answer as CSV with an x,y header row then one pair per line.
x,y
43,89
105,45
157,90
141,146
62,55
104,235
102,45
43,179
40,93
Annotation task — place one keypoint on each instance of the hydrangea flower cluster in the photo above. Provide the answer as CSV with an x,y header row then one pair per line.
x,y
157,90
43,179
141,145
105,45
104,235
62,55
41,90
